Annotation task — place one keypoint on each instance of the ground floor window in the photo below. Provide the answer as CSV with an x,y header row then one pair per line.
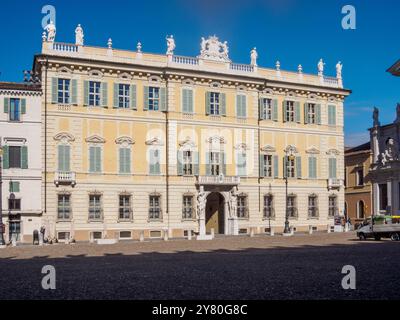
x,y
188,212
268,206
64,207
14,204
313,206
95,207
292,206
242,208
155,207
333,207
383,197
15,230
125,211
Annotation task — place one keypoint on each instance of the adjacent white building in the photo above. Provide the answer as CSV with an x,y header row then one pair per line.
x,y
20,136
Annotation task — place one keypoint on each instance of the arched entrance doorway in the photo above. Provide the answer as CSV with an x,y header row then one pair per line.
x,y
215,213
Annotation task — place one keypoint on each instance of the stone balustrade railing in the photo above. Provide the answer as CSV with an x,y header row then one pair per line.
x,y
331,81
185,60
65,177
241,67
65,47
218,180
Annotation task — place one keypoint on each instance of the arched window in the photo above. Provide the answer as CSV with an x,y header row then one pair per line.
x,y
360,210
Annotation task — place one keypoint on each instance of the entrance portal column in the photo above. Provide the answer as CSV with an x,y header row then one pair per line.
x,y
201,207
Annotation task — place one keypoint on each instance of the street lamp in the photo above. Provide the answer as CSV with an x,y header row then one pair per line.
x,y
289,156
2,242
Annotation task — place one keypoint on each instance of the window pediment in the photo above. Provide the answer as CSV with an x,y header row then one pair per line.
x,y
291,148
216,139
188,142
64,137
64,71
125,76
268,148
312,150
96,74
333,152
242,146
154,142
124,140
95,139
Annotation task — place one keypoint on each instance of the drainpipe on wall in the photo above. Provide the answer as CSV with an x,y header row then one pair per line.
x,y
166,151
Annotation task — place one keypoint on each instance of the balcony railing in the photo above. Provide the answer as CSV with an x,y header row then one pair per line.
x,y
241,67
65,177
218,180
65,47
185,60
335,184
331,81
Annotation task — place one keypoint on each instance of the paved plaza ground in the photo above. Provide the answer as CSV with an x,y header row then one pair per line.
x,y
263,267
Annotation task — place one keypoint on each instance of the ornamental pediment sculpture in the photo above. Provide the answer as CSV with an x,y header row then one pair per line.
x,y
213,49
333,152
125,140
64,137
216,139
154,142
187,142
391,152
268,148
312,150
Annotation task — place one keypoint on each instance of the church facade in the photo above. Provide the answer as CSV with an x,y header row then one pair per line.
x,y
142,145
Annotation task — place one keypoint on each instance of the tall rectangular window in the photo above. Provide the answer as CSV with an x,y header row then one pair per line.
x,y
95,207
215,163
94,93
187,163
269,206
290,115
242,211
155,207
15,109
154,98
125,211
332,206
311,113
266,109
312,167
332,168
95,159
63,91
188,212
332,115
124,96
64,207
14,204
214,103
267,169
155,168
290,167
14,156
312,206
292,206
360,177
241,164
124,160
64,158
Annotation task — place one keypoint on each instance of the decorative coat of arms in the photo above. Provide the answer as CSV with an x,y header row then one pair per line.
x,y
213,49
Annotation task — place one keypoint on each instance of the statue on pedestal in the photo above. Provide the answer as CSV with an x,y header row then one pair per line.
x,y
233,204
321,66
51,31
79,35
339,68
170,45
253,57
201,204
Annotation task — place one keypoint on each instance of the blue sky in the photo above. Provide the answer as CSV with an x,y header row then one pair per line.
x,y
292,31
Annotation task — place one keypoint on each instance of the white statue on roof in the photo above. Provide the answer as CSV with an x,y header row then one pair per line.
x,y
321,66
170,45
339,68
213,49
253,57
51,31
79,35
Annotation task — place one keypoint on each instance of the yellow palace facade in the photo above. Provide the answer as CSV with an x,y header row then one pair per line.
x,y
139,145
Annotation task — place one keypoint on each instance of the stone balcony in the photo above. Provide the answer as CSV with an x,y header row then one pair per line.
x,y
335,184
218,180
64,178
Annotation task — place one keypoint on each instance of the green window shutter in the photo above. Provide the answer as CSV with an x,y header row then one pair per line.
x,y
208,165
315,167
104,94
185,100
241,164
223,104
6,105
6,163
61,158
190,101
332,168
297,111
14,186
244,107
151,164
179,163
196,163
98,159
239,106
85,93
124,160
163,99
276,166
312,167
67,157
274,109
128,160
24,157
284,106
332,115
285,171
298,167
74,91
208,98
306,113
23,106
145,98
121,160
223,163
261,165
318,113
54,90
132,91
261,109
157,167
116,95
91,159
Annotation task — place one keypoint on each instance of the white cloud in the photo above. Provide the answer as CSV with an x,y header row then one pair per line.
x,y
356,138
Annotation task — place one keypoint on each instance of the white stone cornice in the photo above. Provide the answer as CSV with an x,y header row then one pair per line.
x,y
64,137
95,139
